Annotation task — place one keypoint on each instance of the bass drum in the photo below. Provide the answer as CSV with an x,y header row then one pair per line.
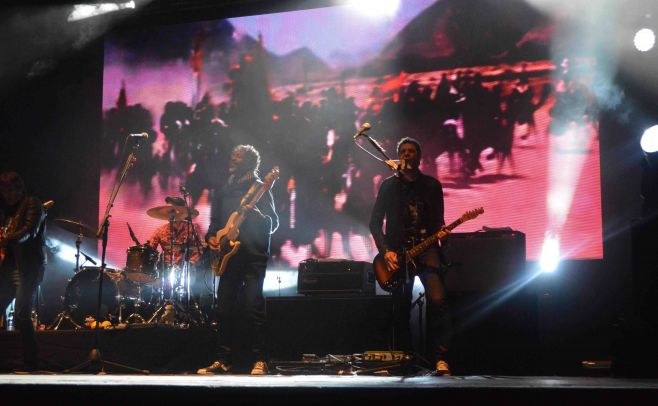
x,y
81,297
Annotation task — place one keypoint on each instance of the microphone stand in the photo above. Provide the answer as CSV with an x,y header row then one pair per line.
x,y
421,338
391,164
95,355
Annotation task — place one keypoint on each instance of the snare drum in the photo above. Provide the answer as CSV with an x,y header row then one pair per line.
x,y
141,264
81,296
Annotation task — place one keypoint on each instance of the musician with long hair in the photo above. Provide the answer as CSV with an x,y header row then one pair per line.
x,y
245,271
23,257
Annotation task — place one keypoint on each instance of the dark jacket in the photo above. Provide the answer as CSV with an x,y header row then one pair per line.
x,y
256,231
389,205
27,239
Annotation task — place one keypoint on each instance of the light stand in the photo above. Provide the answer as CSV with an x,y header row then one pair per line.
x,y
95,355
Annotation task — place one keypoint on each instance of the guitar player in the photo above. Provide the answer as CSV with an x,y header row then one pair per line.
x,y
23,258
412,204
245,271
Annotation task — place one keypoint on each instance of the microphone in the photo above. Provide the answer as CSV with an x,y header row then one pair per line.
x,y
405,165
139,135
48,204
365,127
132,235
183,190
88,258
175,201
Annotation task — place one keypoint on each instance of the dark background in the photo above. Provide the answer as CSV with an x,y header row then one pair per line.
x,y
50,121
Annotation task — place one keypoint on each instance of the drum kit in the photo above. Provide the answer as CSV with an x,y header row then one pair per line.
x,y
154,290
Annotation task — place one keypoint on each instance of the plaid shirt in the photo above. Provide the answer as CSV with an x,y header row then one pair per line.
x,y
161,237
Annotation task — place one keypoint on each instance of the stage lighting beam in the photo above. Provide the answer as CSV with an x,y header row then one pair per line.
x,y
550,254
649,140
83,11
375,8
644,40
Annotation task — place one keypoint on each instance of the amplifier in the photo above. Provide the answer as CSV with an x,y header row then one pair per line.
x,y
317,276
485,261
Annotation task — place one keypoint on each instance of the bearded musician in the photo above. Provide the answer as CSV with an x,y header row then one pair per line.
x,y
245,272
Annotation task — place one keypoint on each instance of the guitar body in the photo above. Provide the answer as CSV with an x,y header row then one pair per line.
x,y
227,237
388,280
228,246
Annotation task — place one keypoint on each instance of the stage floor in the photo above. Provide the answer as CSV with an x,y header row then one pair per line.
x,y
326,389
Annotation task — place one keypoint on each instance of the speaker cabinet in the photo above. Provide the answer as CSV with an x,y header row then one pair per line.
x,y
484,261
324,325
493,304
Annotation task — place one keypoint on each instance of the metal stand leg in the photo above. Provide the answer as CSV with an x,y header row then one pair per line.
x,y
61,317
135,315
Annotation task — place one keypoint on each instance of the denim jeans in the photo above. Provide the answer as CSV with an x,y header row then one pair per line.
x,y
438,320
18,285
246,279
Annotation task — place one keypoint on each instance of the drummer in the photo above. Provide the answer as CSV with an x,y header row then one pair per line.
x,y
178,229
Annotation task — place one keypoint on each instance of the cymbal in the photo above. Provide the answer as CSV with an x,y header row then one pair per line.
x,y
76,228
170,212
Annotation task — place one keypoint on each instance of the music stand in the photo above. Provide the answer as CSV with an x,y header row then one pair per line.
x,y
95,355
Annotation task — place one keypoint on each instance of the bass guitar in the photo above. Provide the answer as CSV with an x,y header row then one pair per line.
x,y
390,280
227,238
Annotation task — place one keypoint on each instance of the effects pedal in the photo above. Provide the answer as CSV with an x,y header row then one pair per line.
x,y
386,356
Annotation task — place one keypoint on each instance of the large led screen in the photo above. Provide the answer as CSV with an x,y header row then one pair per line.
x,y
506,121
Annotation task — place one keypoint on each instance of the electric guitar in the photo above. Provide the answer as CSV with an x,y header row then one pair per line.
x,y
227,237
6,229
390,280
3,249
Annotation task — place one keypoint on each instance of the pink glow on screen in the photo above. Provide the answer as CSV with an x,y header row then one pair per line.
x,y
513,195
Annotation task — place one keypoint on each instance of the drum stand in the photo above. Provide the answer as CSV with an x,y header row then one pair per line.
x,y
176,302
135,314
65,315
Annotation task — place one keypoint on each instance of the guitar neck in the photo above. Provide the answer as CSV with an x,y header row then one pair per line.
x,y
239,219
419,248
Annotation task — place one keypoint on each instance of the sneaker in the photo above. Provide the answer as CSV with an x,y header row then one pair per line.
x,y
217,367
260,368
442,368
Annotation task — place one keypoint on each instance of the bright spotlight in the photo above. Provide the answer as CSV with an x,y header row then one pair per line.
x,y
649,140
67,253
375,8
550,253
277,281
82,11
644,39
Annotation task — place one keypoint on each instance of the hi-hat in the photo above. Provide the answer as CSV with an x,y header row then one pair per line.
x,y
76,228
170,212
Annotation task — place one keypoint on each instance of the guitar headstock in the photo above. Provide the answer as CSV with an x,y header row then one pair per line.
x,y
271,176
471,214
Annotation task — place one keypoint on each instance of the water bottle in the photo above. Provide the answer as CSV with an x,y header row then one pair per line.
x,y
35,320
10,321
